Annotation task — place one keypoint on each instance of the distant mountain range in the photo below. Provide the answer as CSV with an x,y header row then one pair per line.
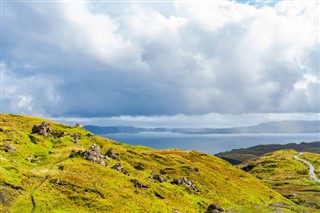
x,y
268,127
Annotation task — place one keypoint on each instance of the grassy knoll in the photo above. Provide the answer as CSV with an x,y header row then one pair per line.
x,y
288,176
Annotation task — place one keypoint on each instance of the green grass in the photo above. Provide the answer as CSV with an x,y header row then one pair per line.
x,y
63,184
288,176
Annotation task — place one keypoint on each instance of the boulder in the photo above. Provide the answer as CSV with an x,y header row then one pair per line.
x,y
30,158
158,177
110,153
213,208
9,148
94,155
42,129
119,168
186,182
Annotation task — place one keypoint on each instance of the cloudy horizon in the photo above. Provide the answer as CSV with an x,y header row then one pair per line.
x,y
179,63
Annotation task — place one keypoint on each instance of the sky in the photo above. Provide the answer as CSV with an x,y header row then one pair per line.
x,y
153,63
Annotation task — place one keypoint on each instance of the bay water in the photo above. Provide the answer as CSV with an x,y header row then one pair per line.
x,y
209,143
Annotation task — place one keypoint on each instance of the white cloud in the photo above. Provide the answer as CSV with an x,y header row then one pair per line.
x,y
108,59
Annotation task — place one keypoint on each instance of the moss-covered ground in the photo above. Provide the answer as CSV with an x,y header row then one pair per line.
x,y
288,176
54,182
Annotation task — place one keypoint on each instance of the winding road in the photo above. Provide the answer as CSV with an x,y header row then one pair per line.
x,y
311,167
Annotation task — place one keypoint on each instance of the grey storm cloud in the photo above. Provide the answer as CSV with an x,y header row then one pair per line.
x,y
108,59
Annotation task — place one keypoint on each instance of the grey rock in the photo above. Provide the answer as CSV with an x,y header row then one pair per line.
x,y
137,184
111,154
76,137
42,129
94,155
158,177
9,148
30,158
214,208
186,182
119,168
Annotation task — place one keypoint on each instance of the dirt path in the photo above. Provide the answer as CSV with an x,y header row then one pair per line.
x,y
31,194
311,167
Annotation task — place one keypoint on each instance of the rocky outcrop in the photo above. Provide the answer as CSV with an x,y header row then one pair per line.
x,y
157,177
119,168
9,148
42,129
93,155
213,208
186,182
111,154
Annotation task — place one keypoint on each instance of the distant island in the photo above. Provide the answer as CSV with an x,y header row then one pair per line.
x,y
277,127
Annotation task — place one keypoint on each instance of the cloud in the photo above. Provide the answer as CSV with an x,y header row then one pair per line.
x,y
109,59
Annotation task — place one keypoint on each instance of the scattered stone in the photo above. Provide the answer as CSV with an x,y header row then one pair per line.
x,y
76,137
90,135
35,161
139,166
186,182
9,148
213,208
42,129
62,134
118,167
158,195
117,143
94,155
78,125
30,158
137,184
158,177
110,153
175,211
56,181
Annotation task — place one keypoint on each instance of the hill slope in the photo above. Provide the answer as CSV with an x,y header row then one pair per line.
x,y
61,170
238,156
290,177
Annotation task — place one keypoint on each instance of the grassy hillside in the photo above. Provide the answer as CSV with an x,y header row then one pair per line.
x,y
281,172
238,156
47,174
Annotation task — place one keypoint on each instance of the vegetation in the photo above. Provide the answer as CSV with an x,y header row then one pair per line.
x,y
38,174
288,176
238,156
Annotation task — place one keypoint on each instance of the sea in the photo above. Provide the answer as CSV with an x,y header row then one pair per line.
x,y
209,143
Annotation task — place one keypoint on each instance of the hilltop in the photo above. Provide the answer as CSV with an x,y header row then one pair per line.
x,y
51,167
282,172
238,156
